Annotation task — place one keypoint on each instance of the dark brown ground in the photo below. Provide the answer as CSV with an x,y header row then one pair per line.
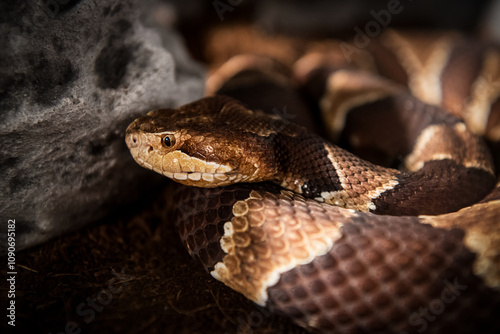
x,y
138,268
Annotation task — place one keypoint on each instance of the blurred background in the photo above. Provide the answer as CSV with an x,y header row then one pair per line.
x,y
95,251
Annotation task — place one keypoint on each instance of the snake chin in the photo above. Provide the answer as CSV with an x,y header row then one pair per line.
x,y
147,151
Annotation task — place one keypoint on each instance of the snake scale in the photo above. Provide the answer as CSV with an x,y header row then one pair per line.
x,y
327,237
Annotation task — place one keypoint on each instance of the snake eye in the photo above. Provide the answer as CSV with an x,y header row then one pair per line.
x,y
169,141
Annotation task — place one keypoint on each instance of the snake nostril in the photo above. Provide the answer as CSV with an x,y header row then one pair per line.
x,y
150,149
132,140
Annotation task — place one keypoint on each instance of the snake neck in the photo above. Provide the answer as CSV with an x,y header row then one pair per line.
x,y
317,169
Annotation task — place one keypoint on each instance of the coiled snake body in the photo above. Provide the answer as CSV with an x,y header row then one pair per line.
x,y
333,241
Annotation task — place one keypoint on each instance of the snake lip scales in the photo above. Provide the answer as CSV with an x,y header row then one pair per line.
x,y
335,242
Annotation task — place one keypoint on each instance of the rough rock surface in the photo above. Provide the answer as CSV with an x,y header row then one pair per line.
x,y
73,75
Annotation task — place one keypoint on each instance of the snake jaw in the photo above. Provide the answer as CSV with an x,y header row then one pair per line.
x,y
149,152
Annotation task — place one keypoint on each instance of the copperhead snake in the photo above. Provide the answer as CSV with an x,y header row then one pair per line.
x,y
333,241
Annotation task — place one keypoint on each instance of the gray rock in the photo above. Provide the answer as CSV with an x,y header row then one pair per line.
x,y
73,75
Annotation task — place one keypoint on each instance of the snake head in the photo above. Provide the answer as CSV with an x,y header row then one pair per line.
x,y
208,143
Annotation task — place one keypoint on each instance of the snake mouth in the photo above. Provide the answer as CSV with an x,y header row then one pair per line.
x,y
192,171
